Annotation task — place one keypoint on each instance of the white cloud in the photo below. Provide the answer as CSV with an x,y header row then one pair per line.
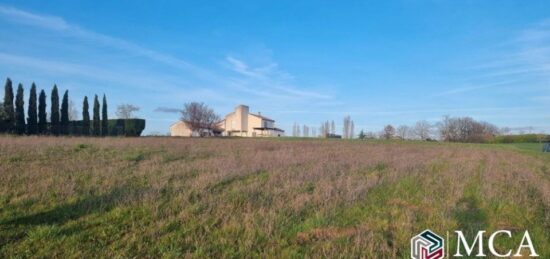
x,y
59,24
274,81
466,89
269,77
19,16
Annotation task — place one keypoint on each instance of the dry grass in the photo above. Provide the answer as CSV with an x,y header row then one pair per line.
x,y
152,197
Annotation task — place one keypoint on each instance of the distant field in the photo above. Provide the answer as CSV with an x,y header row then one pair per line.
x,y
534,147
153,197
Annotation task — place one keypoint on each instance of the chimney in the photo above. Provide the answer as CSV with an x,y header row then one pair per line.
x,y
242,117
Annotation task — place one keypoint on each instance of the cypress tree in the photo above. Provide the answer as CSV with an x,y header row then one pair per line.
x,y
8,106
20,111
32,119
104,119
85,117
64,124
95,127
42,115
54,114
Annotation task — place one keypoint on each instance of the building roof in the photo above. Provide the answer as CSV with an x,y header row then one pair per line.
x,y
262,117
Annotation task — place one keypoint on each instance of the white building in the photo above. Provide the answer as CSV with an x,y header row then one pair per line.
x,y
240,123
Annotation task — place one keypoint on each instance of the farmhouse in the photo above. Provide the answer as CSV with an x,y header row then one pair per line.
x,y
240,123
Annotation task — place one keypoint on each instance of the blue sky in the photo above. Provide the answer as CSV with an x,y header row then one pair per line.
x,y
380,62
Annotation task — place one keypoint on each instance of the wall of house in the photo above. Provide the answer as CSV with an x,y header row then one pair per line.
x,y
180,129
268,133
238,121
253,122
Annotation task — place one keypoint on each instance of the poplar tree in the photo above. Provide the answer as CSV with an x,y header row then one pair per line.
x,y
85,117
104,119
65,114
20,111
32,119
42,115
54,114
96,123
8,106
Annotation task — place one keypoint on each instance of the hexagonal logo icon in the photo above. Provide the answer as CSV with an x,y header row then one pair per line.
x,y
427,245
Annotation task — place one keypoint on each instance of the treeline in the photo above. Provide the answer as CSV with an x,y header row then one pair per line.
x,y
37,122
452,129
326,130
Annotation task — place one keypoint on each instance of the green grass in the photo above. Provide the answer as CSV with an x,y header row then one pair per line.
x,y
266,198
534,147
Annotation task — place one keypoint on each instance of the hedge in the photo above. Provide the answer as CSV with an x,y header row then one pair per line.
x,y
117,127
523,138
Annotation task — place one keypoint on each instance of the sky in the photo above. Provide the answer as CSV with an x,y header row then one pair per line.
x,y
380,62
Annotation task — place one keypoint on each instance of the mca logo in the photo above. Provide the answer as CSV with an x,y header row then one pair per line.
x,y
427,245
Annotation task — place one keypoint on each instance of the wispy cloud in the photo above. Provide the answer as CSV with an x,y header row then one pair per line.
x,y
60,25
44,21
269,77
466,89
120,77
528,54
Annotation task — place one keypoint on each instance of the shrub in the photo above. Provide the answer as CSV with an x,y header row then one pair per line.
x,y
116,127
522,138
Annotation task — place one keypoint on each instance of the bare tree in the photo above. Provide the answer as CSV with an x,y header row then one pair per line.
x,y
296,130
73,112
370,135
422,129
346,127
126,111
403,131
199,117
505,130
305,131
332,128
389,132
325,129
352,130
466,129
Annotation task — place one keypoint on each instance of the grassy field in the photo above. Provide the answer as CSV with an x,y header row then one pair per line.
x,y
153,197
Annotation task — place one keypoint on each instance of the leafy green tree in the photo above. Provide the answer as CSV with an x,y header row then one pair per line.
x,y
54,114
9,110
64,123
20,111
42,115
362,135
85,117
104,119
96,122
32,116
